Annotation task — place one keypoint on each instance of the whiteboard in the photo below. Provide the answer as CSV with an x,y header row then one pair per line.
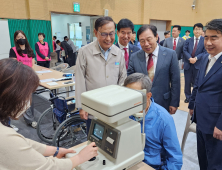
x,y
5,43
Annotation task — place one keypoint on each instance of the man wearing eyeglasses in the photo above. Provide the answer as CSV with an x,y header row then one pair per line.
x,y
99,63
125,28
161,65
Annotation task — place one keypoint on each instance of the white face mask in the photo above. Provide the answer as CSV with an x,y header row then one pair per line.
x,y
28,104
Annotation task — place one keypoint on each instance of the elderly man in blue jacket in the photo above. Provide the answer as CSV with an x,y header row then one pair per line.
x,y
162,148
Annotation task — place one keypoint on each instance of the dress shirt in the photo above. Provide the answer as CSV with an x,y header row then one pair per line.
x,y
162,148
194,40
176,40
155,57
105,53
121,47
212,60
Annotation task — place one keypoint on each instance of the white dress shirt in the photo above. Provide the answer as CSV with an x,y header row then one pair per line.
x,y
212,60
194,40
155,57
176,40
123,51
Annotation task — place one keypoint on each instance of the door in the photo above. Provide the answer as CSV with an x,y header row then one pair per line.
x,y
161,28
75,34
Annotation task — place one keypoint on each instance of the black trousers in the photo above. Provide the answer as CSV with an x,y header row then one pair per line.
x,y
209,151
71,59
190,76
58,53
43,63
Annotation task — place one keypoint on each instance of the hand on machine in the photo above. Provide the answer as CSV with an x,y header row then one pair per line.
x,y
113,132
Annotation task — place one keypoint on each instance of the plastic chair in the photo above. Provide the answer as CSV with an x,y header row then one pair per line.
x,y
53,59
69,70
60,67
190,127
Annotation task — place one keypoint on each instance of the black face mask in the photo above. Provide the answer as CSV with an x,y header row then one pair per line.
x,y
21,41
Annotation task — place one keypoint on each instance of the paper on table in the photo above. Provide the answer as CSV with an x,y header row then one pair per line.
x,y
52,83
44,71
46,80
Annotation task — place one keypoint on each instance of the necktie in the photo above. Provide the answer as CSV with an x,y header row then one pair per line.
x,y
126,56
150,67
210,64
174,44
195,48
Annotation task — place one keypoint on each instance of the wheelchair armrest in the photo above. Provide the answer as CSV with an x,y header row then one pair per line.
x,y
70,99
53,98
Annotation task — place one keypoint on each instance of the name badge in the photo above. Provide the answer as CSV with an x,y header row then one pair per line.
x,y
116,63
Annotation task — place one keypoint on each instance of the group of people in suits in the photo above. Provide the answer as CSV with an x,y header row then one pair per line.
x,y
156,69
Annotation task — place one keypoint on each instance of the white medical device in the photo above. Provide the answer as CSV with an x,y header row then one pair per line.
x,y
119,138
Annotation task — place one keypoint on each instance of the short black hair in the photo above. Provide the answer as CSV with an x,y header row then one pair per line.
x,y
134,32
215,24
55,37
187,31
41,34
102,21
125,23
178,27
146,27
65,38
166,32
198,25
57,41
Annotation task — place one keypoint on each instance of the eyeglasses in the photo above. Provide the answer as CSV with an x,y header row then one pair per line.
x,y
104,34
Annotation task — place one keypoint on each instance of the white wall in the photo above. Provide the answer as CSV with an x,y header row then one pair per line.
x,y
60,21
5,43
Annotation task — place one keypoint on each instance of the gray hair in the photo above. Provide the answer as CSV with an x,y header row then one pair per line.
x,y
145,81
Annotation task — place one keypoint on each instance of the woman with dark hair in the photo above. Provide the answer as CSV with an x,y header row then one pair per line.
x,y
22,50
42,51
23,53
17,83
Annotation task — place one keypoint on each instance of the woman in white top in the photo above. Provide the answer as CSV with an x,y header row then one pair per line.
x,y
17,83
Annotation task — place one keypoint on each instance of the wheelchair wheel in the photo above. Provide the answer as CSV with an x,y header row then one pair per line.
x,y
47,125
70,132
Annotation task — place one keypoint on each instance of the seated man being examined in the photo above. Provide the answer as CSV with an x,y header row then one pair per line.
x,y
162,148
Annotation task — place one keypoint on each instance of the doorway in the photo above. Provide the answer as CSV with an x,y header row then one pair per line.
x,y
75,34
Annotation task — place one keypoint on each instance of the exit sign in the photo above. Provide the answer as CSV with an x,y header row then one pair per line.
x,y
76,7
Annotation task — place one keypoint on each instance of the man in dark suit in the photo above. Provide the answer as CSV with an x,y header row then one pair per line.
x,y
161,65
166,35
125,29
69,55
193,52
206,100
175,42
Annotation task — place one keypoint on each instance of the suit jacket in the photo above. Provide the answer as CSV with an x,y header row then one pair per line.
x,y
162,42
188,49
67,48
93,71
206,98
132,49
166,82
179,48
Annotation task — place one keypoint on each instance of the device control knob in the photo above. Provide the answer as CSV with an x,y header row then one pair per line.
x,y
104,162
92,159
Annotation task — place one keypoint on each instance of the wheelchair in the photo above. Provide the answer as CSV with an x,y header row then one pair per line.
x,y
59,125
